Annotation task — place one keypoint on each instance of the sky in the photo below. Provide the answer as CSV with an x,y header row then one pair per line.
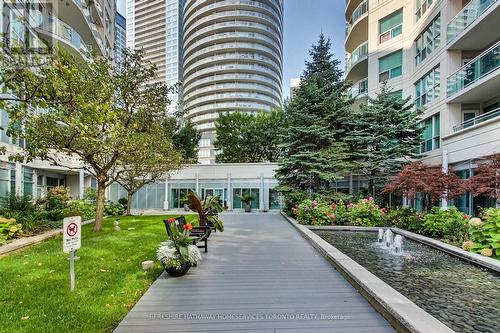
x,y
304,21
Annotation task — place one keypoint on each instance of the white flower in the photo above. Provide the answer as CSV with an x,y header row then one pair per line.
x,y
166,252
194,254
475,222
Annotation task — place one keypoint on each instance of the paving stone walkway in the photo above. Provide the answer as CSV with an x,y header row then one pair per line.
x,y
259,275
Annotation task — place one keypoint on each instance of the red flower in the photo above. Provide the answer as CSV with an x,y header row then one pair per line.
x,y
188,226
466,216
171,220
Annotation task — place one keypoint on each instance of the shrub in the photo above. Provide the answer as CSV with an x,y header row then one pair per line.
x,y
340,211
15,203
57,198
85,209
485,233
450,224
9,228
123,202
314,212
292,200
113,209
406,218
34,221
366,213
90,194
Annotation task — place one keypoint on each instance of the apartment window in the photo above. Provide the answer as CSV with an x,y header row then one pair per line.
x,y
391,26
428,87
428,40
431,134
4,180
397,94
390,66
422,6
205,142
28,181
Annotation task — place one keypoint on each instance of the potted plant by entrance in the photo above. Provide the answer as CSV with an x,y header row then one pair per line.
x,y
247,200
178,253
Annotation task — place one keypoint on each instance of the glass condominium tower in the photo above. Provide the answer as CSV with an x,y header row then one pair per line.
x,y
233,62
156,28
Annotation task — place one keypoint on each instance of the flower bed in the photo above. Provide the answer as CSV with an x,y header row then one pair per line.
x,y
451,226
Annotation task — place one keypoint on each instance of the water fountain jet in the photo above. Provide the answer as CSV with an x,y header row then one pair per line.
x,y
398,244
380,235
388,238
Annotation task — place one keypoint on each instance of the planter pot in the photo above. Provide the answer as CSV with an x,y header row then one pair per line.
x,y
248,207
175,272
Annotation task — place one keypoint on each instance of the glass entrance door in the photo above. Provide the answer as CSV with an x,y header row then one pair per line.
x,y
214,192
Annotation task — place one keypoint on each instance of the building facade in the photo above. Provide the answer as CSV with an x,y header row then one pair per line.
x,y
156,28
233,61
229,181
120,37
80,29
445,55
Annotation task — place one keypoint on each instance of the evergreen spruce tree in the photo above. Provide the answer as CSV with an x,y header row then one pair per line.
x,y
385,134
314,152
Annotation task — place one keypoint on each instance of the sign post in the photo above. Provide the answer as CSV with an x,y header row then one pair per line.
x,y
72,241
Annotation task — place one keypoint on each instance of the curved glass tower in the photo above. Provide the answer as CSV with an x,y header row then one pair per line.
x,y
233,61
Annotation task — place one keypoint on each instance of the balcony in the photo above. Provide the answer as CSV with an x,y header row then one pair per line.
x,y
54,30
354,63
357,27
356,15
477,120
475,26
477,80
473,140
360,88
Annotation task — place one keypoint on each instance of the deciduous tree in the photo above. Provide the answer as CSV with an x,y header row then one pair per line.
x,y
94,114
245,138
486,179
429,181
186,140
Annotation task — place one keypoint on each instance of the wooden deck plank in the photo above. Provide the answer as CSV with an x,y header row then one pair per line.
x,y
259,275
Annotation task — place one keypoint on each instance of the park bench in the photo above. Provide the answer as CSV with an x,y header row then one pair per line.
x,y
201,233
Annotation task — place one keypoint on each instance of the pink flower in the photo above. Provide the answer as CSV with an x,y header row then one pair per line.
x,y
332,216
383,210
314,204
334,206
370,198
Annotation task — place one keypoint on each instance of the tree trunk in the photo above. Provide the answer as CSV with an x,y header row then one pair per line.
x,y
371,187
101,188
129,203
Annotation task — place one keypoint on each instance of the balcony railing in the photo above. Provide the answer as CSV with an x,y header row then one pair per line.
x,y
359,53
477,120
482,65
359,88
356,15
53,26
466,17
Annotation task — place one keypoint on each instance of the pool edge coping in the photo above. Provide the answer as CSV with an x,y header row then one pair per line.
x,y
399,311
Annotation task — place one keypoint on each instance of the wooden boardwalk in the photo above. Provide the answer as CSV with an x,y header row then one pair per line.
x,y
259,275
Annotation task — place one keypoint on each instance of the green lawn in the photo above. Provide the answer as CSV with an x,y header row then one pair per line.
x,y
34,283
